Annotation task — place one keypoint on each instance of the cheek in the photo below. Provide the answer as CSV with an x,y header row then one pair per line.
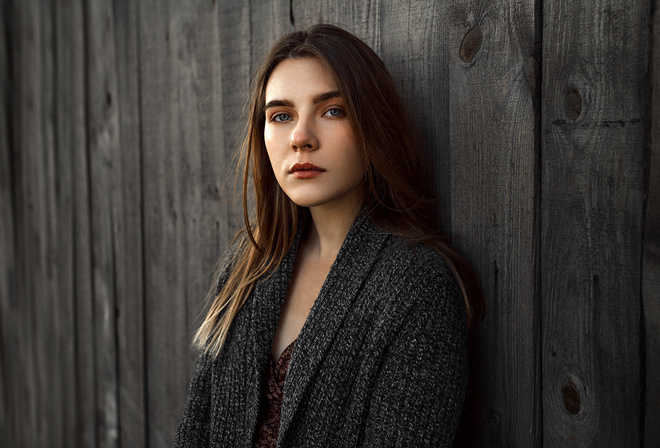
x,y
355,169
268,135
271,151
356,157
276,145
273,162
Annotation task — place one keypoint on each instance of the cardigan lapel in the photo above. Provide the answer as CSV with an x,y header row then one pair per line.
x,y
266,303
354,261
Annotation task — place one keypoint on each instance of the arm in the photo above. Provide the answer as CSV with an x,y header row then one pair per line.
x,y
193,429
419,392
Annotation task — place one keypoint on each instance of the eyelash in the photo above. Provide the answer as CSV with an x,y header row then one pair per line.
x,y
341,111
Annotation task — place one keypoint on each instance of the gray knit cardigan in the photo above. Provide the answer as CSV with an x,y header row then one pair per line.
x,y
380,361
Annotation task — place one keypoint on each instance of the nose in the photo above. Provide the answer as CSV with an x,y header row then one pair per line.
x,y
303,136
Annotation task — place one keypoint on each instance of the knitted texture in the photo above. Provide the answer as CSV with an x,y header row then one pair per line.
x,y
380,361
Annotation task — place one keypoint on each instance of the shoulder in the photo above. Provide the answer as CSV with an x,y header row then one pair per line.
x,y
414,281
423,370
419,267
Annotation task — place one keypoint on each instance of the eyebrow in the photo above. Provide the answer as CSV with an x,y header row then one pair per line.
x,y
319,98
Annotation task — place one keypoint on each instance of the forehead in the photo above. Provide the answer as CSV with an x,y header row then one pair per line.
x,y
299,78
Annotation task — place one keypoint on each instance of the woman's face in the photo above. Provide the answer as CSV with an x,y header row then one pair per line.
x,y
314,154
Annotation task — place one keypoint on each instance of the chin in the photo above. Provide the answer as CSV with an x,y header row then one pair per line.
x,y
305,202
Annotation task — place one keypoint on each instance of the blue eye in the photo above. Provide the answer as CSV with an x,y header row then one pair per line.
x,y
335,112
281,117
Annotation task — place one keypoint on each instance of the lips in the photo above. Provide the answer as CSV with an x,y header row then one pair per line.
x,y
305,167
305,170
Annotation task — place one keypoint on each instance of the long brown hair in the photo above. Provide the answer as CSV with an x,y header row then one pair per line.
x,y
401,196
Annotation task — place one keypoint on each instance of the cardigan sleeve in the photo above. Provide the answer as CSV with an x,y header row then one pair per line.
x,y
420,388
194,426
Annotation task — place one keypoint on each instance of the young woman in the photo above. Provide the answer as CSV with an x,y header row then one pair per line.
x,y
341,312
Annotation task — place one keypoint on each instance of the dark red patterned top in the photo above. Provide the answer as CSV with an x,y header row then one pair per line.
x,y
270,406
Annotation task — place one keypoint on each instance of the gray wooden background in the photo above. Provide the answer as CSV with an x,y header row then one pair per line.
x,y
118,122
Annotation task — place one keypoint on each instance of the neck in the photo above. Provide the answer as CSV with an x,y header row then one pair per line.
x,y
328,230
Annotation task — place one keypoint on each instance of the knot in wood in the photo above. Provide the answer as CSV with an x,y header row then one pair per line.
x,y
471,44
571,397
572,104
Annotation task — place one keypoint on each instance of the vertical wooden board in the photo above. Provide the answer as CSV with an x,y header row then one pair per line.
x,y
165,310
269,19
34,238
85,373
234,57
106,209
413,45
8,267
54,308
7,232
492,145
77,381
44,311
63,311
210,230
359,17
594,74
127,233
226,68
49,365
27,394
181,125
651,252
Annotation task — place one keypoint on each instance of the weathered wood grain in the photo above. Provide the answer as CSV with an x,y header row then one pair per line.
x,y
107,210
8,233
360,17
493,159
181,125
71,19
67,93
235,60
127,234
269,19
47,316
74,265
26,393
594,81
54,305
164,160
412,41
651,251
41,360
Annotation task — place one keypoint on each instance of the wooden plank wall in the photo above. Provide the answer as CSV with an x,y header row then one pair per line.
x,y
591,220
651,248
493,175
118,123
